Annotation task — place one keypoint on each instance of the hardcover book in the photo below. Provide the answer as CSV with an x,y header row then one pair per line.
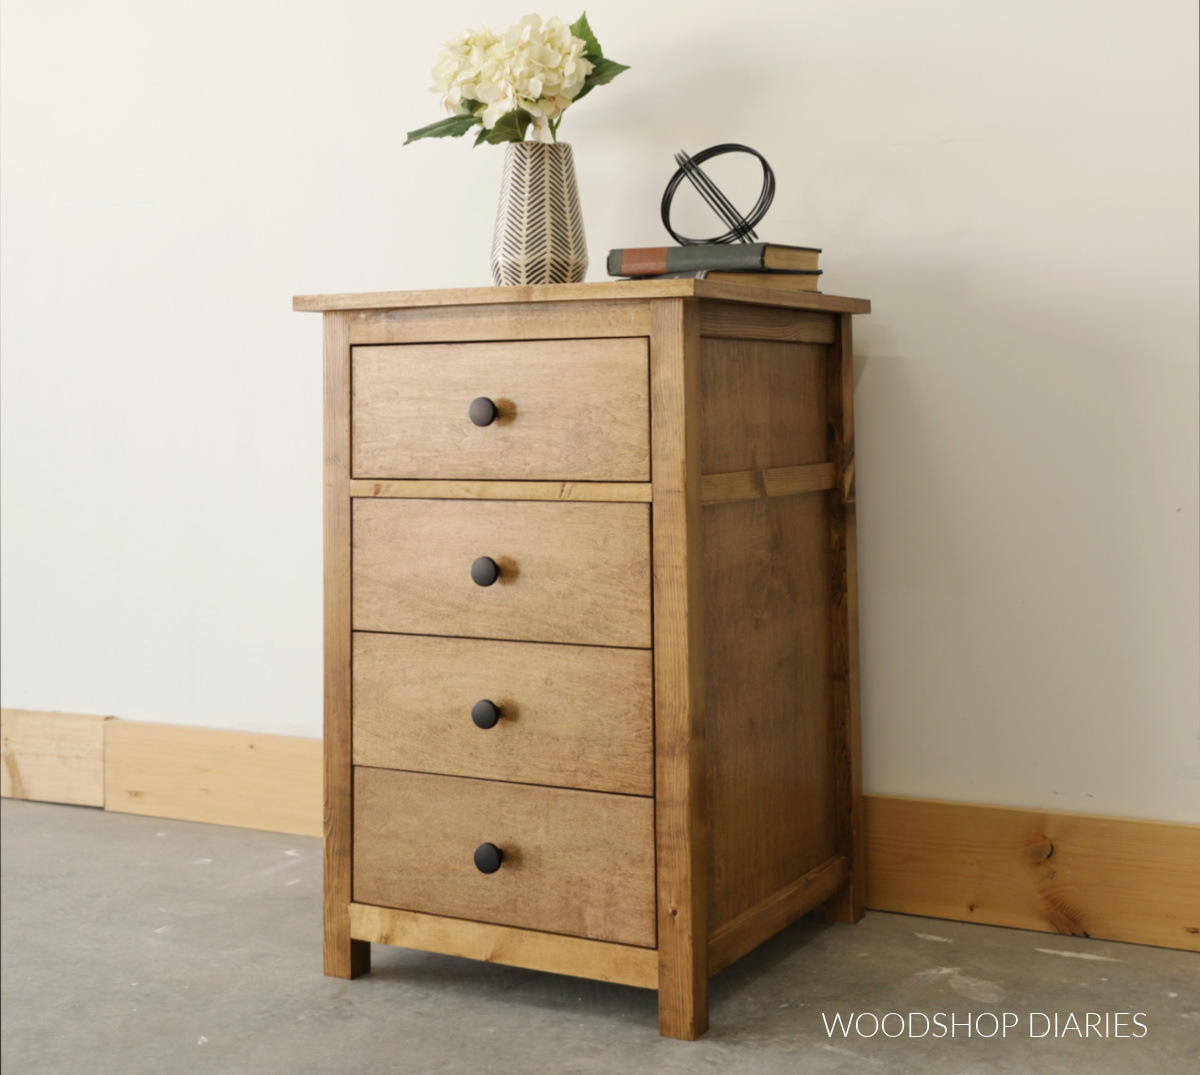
x,y
788,281
727,257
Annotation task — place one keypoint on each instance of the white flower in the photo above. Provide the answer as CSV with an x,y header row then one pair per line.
x,y
534,67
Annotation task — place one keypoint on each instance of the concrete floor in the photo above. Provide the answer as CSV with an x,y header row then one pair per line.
x,y
136,945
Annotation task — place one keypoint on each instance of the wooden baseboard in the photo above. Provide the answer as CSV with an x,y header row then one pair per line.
x,y
52,757
270,782
1110,878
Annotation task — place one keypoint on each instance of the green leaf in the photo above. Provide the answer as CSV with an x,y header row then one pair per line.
x,y
510,127
583,31
450,127
605,71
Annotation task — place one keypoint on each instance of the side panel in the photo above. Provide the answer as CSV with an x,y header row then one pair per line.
x,y
768,691
769,613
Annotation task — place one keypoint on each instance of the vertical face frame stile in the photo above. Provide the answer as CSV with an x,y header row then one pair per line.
x,y
682,880
344,958
849,905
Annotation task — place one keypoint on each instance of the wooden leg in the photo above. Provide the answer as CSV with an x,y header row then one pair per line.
x,y
682,910
849,905
682,999
345,958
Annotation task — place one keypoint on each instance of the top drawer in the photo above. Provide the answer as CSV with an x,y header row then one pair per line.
x,y
570,410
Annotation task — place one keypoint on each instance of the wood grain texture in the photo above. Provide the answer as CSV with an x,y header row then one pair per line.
x,y
1112,878
850,904
752,484
344,957
501,321
573,410
736,322
768,696
764,405
679,671
575,862
551,953
741,400
767,296
572,716
52,757
621,289
778,911
599,492
576,573
270,782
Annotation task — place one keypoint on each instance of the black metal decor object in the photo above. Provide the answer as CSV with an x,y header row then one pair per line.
x,y
741,228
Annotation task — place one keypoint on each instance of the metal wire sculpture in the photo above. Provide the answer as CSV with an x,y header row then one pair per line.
x,y
741,228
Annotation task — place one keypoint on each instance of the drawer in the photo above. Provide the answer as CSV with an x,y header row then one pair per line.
x,y
576,410
572,716
568,572
575,862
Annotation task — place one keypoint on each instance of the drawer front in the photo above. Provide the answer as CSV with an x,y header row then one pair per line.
x,y
568,572
572,716
575,862
576,410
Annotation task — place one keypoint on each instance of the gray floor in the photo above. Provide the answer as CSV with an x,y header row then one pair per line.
x,y
137,945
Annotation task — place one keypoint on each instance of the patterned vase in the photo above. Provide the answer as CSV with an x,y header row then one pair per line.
x,y
539,228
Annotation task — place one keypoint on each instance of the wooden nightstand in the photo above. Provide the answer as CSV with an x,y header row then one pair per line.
x,y
590,627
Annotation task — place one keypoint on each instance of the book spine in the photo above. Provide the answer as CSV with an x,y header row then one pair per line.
x,y
691,274
728,257
656,260
703,274
647,261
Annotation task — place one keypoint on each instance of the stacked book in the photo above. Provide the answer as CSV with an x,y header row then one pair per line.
x,y
754,264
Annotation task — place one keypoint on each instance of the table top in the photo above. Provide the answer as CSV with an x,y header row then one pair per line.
x,y
601,291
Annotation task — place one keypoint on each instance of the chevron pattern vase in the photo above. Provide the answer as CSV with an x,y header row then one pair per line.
x,y
539,228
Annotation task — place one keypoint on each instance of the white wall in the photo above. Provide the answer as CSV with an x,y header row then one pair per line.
x,y
1013,184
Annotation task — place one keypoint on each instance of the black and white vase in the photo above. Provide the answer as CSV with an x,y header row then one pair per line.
x,y
539,228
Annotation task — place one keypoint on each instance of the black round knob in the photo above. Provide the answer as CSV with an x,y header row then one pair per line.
x,y
485,571
485,714
488,858
482,411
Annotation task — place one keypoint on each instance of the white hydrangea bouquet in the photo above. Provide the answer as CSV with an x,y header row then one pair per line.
x,y
525,78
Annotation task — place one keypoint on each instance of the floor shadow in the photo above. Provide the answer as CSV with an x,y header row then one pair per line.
x,y
500,984
768,956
